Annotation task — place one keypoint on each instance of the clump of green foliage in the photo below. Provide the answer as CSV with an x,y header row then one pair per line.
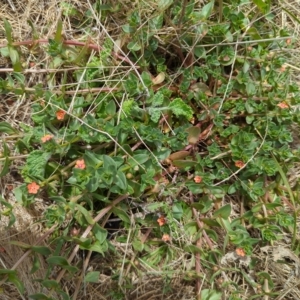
x,y
196,129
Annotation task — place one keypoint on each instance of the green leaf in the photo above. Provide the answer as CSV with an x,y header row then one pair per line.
x,y
154,206
4,167
14,278
84,243
19,77
250,119
207,294
97,247
156,22
7,128
64,295
92,277
192,249
140,158
206,11
133,46
120,180
154,114
14,55
179,108
200,52
156,100
58,260
58,33
7,271
39,296
69,10
263,5
93,159
15,59
164,4
8,32
93,183
128,29
41,250
146,78
177,210
62,262
121,214
212,234
108,163
50,284
223,212
138,245
246,66
8,212
191,228
250,88
231,189
4,51
85,213
20,192
183,164
36,265
195,188
204,205
111,108
99,233
35,164
21,244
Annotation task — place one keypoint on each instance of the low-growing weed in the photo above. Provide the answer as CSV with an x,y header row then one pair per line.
x,y
171,143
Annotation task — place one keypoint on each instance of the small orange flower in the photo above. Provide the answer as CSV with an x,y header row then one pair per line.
x,y
60,115
161,221
80,164
240,252
46,138
282,105
197,179
288,41
239,164
283,68
166,238
33,188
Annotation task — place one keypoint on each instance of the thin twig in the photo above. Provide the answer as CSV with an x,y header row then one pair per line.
x,y
84,268
11,5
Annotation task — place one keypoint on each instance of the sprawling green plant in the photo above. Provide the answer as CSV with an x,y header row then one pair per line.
x,y
198,125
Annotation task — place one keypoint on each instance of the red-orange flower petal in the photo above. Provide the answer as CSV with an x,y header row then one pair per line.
x,y
240,252
239,164
80,164
161,221
46,138
197,179
33,188
282,105
60,115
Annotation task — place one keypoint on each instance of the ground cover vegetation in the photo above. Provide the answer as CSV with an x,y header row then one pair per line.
x,y
155,143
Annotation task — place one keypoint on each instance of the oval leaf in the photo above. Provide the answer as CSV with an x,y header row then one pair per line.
x,y
223,212
92,277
